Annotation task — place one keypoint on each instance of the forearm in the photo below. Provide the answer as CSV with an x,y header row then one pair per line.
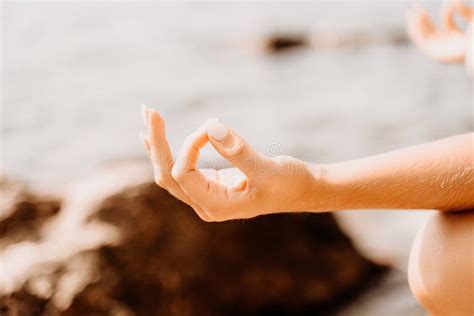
x,y
437,175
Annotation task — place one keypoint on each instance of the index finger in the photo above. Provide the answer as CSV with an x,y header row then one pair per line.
x,y
160,152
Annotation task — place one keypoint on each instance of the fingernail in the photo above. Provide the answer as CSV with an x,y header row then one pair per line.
x,y
144,115
216,129
145,142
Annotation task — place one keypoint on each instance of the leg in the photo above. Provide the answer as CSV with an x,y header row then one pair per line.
x,y
441,267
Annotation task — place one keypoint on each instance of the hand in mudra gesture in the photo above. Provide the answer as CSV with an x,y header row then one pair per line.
x,y
448,42
256,185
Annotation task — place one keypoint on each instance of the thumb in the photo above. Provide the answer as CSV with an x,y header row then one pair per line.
x,y
234,148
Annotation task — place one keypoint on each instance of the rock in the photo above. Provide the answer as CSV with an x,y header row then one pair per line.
x,y
23,212
279,43
132,249
21,303
334,40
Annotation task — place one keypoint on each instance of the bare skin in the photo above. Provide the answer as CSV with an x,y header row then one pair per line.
x,y
441,265
435,176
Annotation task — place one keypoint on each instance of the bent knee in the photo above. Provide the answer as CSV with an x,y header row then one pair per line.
x,y
441,267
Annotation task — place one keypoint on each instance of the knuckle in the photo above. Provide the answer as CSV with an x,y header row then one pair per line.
x,y
238,150
177,173
162,181
253,194
218,213
213,217
204,216
212,212
159,181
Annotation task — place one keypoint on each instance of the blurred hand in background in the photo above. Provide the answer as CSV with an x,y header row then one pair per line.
x,y
447,43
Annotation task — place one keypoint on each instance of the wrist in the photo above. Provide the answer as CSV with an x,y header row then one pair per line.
x,y
322,189
349,186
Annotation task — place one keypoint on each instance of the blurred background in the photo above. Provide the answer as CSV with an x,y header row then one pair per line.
x,y
74,75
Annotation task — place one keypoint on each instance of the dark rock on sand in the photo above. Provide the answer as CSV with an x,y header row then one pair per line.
x,y
21,303
122,246
22,212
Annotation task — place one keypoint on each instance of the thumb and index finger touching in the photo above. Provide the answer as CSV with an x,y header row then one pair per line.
x,y
207,192
200,189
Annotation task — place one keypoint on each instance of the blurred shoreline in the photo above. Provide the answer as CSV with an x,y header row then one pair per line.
x,y
75,74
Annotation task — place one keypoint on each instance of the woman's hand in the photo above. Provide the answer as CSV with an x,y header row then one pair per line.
x,y
258,185
446,44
